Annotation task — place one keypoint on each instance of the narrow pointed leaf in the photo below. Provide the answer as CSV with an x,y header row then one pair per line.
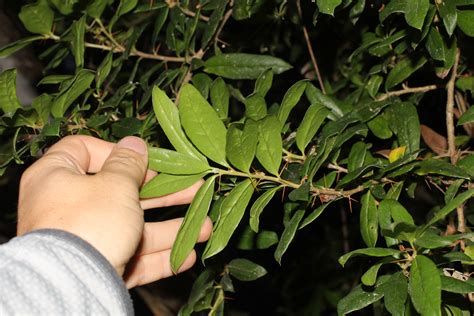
x,y
315,214
168,116
8,99
245,270
269,148
371,252
425,286
190,228
77,43
202,125
220,98
370,276
312,120
264,82
288,235
404,69
231,212
369,220
173,162
450,284
258,207
255,107
290,100
242,145
415,12
11,48
164,184
395,292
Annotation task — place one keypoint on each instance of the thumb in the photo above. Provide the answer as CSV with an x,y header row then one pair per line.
x,y
129,158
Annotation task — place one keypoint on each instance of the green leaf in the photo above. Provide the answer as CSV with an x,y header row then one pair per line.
x,y
37,17
55,79
103,70
396,210
404,122
402,70
435,45
441,167
448,208
190,228
312,120
245,270
288,235
66,7
415,12
315,214
8,99
201,286
359,298
164,184
168,116
244,9
258,207
370,276
78,85
42,105
202,83
173,162
266,239
465,84
356,156
453,285
466,21
202,125
242,145
395,292
452,190
269,148
328,6
244,66
315,96
213,23
369,220
467,117
356,10
11,48
425,286
431,239
96,8
77,31
264,82
379,127
255,107
231,212
467,164
290,100
373,85
220,98
448,13
371,252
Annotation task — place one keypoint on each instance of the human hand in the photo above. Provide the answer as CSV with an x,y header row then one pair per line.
x,y
90,188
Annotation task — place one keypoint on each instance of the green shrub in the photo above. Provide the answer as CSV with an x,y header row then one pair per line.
x,y
230,91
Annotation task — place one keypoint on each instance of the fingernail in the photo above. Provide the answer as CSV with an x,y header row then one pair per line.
x,y
134,143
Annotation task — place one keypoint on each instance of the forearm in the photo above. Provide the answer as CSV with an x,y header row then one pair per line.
x,y
54,272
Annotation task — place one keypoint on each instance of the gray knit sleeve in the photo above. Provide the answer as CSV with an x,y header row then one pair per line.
x,y
52,272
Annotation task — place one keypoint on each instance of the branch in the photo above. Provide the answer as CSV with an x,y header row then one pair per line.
x,y
138,53
310,49
450,110
407,90
193,14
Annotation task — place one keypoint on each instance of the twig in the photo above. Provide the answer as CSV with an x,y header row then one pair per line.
x,y
310,49
451,133
108,35
225,18
193,14
137,53
407,90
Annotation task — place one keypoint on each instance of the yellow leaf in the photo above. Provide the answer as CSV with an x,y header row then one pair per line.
x,y
397,153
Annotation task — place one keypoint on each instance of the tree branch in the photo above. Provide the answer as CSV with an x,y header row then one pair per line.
x,y
450,110
407,90
138,53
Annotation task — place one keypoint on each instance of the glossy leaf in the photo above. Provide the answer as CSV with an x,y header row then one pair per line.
x,y
173,162
369,220
450,284
356,156
395,292
466,21
220,98
373,85
258,207
242,144
328,6
164,184
315,214
190,228
415,12
266,239
244,66
425,286
269,148
312,120
435,45
245,270
379,127
96,8
11,48
396,211
9,103
404,122
371,252
370,276
467,117
291,98
202,125
202,83
37,17
359,298
255,107
77,32
213,23
231,212
264,82
315,96
288,235
168,116
448,13
103,70
78,85
402,70
441,167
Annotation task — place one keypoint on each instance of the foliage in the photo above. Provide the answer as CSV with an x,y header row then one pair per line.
x,y
371,133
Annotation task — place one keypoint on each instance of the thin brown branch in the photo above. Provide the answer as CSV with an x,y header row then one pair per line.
x,y
450,110
310,49
137,53
193,14
225,18
407,90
